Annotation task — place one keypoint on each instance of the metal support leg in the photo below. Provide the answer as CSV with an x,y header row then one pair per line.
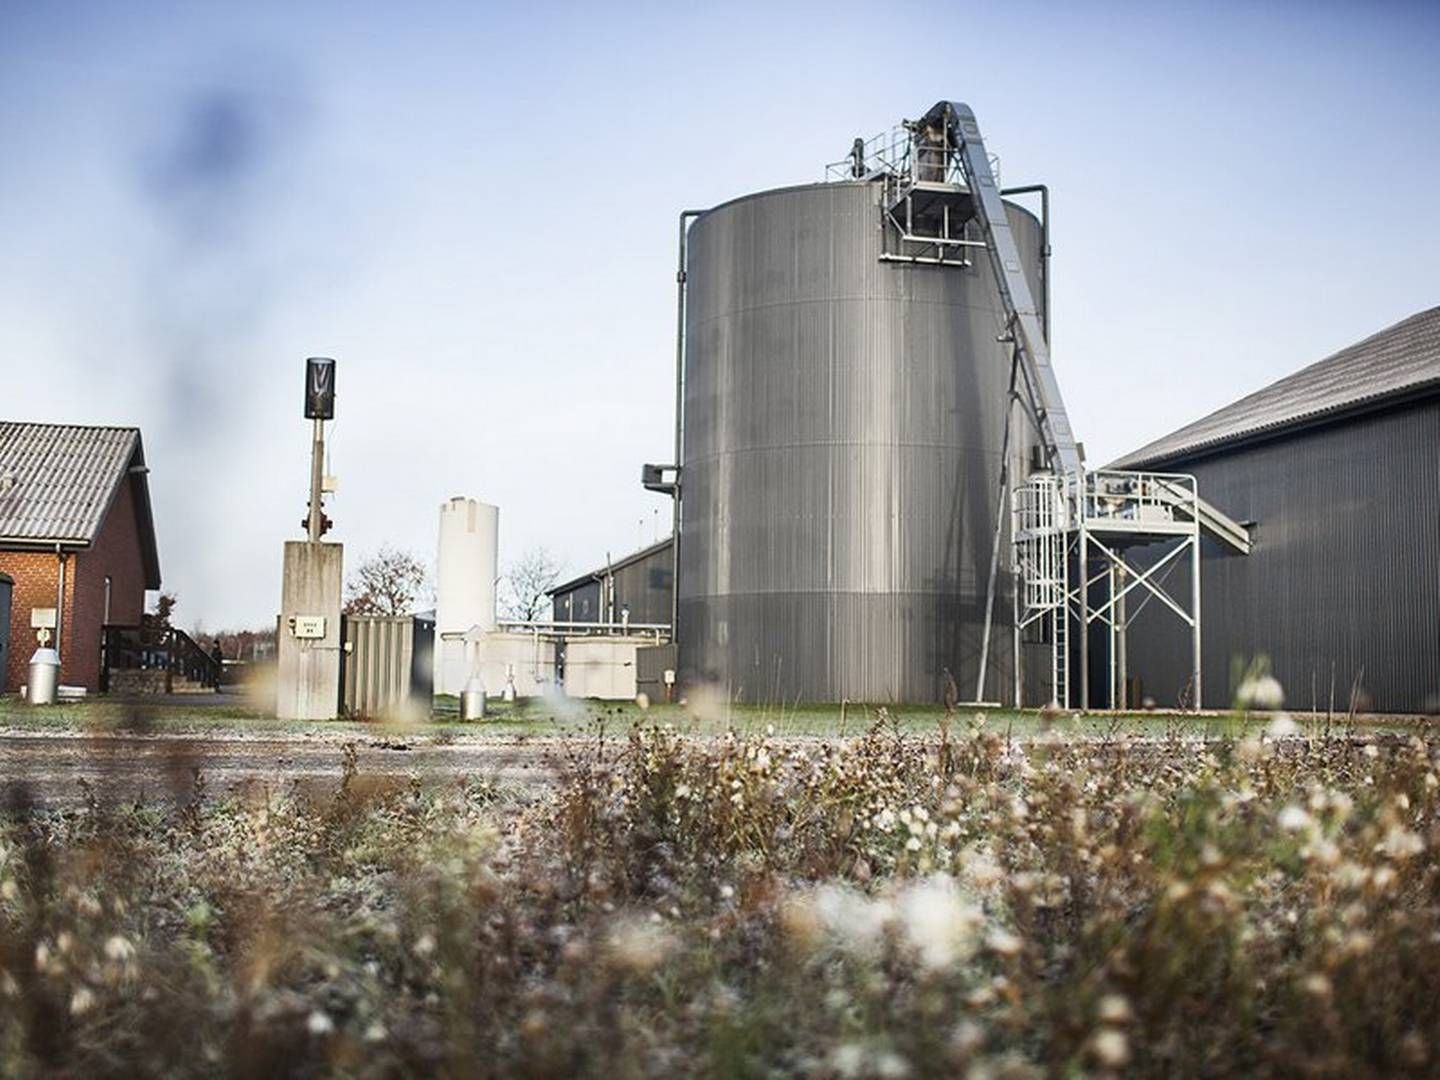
x,y
1195,612
1000,510
1112,660
1015,627
1122,660
1084,586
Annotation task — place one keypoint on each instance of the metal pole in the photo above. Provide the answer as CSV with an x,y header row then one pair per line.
x,y
59,600
1195,610
680,275
317,479
1084,583
1015,627
999,529
1122,644
1111,660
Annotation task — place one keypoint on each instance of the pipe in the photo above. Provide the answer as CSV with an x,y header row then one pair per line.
x,y
61,556
680,275
1044,191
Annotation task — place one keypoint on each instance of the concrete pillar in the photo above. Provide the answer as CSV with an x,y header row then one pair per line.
x,y
308,650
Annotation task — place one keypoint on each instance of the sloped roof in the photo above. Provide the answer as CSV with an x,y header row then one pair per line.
x,y
58,481
1398,361
619,564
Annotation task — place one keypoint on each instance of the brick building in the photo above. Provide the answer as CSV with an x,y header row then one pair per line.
x,y
76,536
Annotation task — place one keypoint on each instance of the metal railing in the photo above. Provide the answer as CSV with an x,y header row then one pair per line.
x,y
892,154
161,649
1113,497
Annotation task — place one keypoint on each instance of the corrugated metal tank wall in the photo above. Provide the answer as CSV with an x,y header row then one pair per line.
x,y
843,423
1342,589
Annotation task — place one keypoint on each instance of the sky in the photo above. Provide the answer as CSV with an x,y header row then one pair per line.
x,y
473,207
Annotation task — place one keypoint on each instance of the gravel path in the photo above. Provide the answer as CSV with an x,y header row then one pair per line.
x,y
46,769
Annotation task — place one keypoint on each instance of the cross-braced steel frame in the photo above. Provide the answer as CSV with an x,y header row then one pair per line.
x,y
1074,539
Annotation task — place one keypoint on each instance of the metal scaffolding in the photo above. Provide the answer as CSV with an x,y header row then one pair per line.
x,y
1075,541
1074,532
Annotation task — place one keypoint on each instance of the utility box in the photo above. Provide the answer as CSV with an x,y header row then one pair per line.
x,y
602,667
655,667
388,666
308,650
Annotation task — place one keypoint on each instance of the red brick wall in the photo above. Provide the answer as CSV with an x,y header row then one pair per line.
x,y
116,553
35,574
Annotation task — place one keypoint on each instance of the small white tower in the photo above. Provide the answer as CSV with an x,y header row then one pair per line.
x,y
466,572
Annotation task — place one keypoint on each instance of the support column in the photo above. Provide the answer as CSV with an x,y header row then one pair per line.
x,y
1122,643
1015,623
1084,558
1195,612
1112,659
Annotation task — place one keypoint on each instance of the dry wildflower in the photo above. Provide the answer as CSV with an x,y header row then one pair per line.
x,y
1317,985
891,1066
82,1001
1401,843
1282,726
1003,943
1294,818
118,949
847,1059
319,1024
938,923
638,945
1112,1048
1262,692
1115,1009
1414,1050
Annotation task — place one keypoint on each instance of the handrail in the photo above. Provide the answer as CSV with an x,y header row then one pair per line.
x,y
147,647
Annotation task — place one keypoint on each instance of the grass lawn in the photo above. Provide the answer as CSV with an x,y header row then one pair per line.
x,y
547,718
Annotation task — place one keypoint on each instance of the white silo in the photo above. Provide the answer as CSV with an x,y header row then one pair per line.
x,y
466,572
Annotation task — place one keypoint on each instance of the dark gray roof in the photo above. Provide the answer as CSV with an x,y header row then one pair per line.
x,y
1398,361
58,481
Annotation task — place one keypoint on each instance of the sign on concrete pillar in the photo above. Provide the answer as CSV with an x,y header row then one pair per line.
x,y
308,650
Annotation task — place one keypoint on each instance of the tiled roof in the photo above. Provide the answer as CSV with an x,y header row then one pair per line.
x,y
57,482
1401,359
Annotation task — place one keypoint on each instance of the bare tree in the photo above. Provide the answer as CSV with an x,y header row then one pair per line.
x,y
164,608
387,583
527,583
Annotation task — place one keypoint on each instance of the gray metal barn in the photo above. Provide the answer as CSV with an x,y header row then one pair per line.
x,y
639,583
1338,467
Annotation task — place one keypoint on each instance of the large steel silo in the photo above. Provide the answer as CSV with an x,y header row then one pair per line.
x,y
843,423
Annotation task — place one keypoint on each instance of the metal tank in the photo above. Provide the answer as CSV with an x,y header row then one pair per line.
x,y
842,430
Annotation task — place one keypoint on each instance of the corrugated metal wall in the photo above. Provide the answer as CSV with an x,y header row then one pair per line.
x,y
387,665
843,419
643,586
1343,587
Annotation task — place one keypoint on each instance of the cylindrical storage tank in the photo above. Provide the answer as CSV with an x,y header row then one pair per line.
x,y
466,572
843,424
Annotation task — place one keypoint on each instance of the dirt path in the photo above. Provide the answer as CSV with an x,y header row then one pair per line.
x,y
47,769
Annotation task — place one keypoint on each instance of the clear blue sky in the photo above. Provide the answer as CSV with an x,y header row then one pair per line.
x,y
473,207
